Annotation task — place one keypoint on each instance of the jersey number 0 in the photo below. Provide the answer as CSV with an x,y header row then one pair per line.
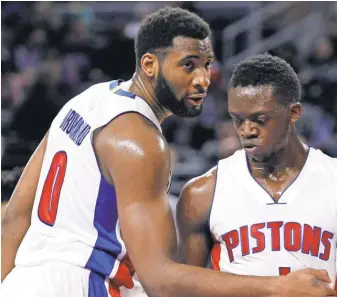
x,y
52,188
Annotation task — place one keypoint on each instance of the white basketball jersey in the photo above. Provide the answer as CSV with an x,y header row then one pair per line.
x,y
256,236
74,217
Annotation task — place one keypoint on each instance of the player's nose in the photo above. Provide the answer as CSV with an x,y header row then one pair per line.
x,y
201,80
248,130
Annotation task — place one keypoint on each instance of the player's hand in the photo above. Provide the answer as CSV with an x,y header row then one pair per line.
x,y
305,283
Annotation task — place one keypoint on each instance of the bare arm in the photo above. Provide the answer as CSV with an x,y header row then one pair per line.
x,y
193,212
16,220
136,158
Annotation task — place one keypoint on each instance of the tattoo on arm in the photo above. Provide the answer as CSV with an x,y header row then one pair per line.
x,y
315,282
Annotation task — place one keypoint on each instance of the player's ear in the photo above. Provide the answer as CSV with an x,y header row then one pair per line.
x,y
295,111
150,64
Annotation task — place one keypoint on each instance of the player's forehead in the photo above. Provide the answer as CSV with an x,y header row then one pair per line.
x,y
188,46
251,99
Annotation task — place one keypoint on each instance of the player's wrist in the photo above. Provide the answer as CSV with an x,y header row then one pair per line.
x,y
275,286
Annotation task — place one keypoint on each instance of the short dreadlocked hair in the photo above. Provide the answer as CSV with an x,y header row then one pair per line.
x,y
267,70
158,30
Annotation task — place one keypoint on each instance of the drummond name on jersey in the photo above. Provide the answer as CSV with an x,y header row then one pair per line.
x,y
76,128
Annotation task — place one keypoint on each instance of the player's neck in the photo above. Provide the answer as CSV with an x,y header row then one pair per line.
x,y
291,158
142,87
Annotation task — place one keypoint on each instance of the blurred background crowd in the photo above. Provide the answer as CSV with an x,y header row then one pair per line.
x,y
51,51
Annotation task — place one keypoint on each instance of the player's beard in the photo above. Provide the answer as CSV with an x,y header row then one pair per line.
x,y
167,98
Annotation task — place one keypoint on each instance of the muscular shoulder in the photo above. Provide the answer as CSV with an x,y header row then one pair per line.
x,y
196,197
131,128
200,188
131,139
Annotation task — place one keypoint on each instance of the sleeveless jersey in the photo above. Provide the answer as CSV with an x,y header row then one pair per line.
x,y
256,236
74,217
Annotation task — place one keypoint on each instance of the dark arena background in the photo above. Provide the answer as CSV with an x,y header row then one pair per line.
x,y
51,51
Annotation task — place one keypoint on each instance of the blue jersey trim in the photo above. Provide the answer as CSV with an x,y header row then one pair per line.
x,y
114,87
96,286
107,247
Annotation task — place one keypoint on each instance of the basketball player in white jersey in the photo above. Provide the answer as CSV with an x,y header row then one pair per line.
x,y
271,208
89,216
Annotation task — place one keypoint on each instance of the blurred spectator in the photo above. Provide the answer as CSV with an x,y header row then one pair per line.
x,y
140,10
6,54
226,143
44,99
30,54
317,129
323,52
331,27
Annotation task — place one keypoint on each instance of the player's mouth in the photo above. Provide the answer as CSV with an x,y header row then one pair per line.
x,y
196,100
251,149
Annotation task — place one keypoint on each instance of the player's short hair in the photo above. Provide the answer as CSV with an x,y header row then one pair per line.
x,y
158,30
267,70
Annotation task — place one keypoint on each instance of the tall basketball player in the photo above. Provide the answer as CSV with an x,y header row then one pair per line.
x,y
89,216
270,208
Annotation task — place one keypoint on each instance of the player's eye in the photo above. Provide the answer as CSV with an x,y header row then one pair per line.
x,y
208,65
262,120
188,65
237,121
